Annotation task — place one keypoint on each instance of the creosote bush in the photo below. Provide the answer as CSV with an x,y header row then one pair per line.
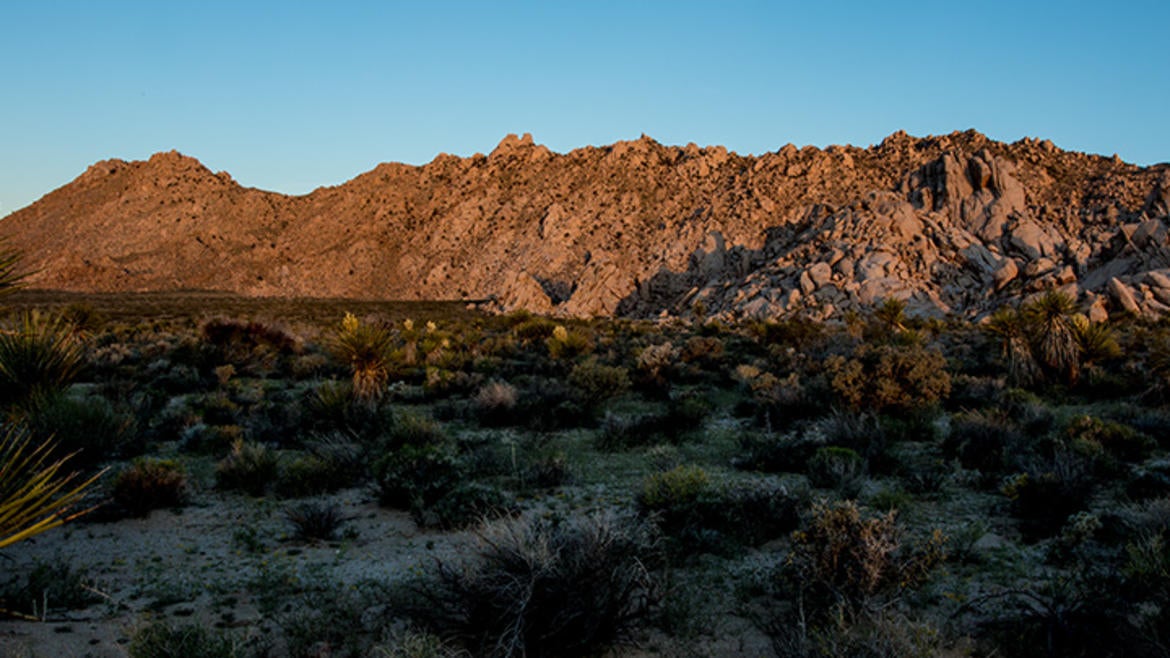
x,y
890,378
148,484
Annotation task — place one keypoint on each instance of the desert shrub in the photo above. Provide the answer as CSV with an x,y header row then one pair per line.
x,y
249,348
534,329
777,453
414,430
890,378
218,409
41,355
315,521
159,638
843,558
544,587
466,504
865,433
1119,442
683,415
655,365
495,404
595,382
565,344
1046,494
777,401
88,427
312,474
250,467
1150,480
548,472
677,487
834,467
416,476
979,439
699,515
148,484
209,439
46,586
550,404
418,644
705,350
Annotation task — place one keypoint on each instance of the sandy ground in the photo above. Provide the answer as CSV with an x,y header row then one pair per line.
x,y
194,563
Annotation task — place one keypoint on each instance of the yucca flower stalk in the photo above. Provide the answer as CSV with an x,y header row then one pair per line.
x,y
34,496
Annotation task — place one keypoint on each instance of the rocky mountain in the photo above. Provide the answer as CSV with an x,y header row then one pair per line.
x,y
952,224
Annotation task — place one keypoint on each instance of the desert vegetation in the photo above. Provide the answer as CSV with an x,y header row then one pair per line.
x,y
379,479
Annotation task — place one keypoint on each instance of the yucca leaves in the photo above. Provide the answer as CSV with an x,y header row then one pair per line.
x,y
41,354
34,496
367,349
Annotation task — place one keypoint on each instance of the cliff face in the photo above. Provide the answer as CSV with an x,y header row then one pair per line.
x,y
957,223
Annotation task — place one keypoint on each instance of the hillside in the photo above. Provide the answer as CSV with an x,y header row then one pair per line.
x,y
958,223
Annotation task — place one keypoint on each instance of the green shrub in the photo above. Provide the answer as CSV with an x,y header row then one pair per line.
x,y
596,383
534,329
679,486
311,474
415,477
890,378
565,344
250,467
716,517
1119,442
833,467
159,639
776,453
148,484
544,587
48,586
1049,492
88,427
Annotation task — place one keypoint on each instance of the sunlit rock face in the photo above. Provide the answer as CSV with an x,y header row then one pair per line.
x,y
953,224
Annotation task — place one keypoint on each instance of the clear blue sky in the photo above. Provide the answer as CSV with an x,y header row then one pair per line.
x,y
293,95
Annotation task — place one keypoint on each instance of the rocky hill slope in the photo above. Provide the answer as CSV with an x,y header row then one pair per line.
x,y
952,224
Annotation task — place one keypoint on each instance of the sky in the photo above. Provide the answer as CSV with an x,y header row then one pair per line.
x,y
292,95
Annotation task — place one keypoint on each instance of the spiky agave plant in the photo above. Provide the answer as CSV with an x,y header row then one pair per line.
x,y
367,349
34,495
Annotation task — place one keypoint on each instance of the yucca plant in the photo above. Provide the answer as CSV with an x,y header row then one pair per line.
x,y
42,354
1010,328
34,496
367,349
1051,318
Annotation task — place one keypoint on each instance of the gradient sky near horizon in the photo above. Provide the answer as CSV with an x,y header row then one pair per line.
x,y
292,95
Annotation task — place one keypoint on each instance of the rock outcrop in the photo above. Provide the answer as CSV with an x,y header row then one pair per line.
x,y
951,224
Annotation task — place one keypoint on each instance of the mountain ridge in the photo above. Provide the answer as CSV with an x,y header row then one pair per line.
x,y
955,223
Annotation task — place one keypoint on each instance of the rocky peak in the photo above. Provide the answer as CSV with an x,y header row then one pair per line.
x,y
956,223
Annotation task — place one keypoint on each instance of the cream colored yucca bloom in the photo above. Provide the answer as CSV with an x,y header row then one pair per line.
x,y
560,333
350,323
432,327
408,324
